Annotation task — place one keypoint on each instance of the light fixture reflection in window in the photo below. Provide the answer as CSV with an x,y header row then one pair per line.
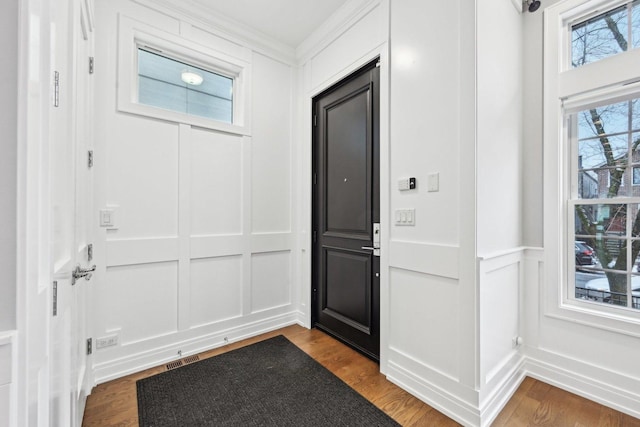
x,y
191,78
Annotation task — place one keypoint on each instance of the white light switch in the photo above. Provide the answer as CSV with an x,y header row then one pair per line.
x,y
405,217
108,217
433,182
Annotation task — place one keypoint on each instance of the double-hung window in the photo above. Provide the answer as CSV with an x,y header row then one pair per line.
x,y
592,159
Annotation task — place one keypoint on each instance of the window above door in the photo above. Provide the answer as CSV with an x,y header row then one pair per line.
x,y
166,76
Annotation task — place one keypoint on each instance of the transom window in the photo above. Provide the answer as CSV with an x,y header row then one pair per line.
x,y
606,34
174,85
166,76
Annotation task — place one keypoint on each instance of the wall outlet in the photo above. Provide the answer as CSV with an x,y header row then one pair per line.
x,y
108,341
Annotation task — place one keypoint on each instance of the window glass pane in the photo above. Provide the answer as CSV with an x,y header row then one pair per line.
x,y
601,227
636,179
162,83
635,292
605,138
601,252
603,36
635,115
607,288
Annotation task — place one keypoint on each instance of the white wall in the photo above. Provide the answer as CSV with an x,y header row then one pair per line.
x,y
203,250
431,309
8,161
499,200
499,145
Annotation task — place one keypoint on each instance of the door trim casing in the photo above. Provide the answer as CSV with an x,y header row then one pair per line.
x,y
306,178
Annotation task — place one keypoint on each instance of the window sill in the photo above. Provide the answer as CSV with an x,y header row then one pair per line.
x,y
176,117
594,315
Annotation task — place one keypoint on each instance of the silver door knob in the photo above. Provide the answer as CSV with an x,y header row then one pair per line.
x,y
80,272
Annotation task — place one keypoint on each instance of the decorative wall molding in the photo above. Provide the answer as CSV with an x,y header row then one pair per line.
x,y
224,27
337,24
426,258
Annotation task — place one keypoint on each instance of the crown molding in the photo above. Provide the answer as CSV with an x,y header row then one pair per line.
x,y
334,27
519,5
206,18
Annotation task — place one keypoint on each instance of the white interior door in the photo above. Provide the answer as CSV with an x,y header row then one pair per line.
x,y
70,200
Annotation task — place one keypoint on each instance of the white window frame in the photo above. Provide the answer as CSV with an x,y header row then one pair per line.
x,y
133,34
568,90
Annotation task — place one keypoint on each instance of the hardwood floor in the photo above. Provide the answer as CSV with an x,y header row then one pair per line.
x,y
534,404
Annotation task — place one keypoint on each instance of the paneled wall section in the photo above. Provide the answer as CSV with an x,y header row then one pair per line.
x,y
201,252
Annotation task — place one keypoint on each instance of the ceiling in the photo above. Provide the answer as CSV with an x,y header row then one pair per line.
x,y
287,21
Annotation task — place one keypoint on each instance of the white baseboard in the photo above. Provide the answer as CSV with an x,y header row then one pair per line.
x,y
438,398
574,381
582,383
503,391
155,356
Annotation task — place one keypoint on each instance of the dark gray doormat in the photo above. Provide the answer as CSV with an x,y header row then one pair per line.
x,y
270,383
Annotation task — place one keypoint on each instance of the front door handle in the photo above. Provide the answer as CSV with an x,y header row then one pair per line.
x,y
376,251
80,272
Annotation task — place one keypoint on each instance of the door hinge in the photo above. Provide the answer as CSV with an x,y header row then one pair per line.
x,y
315,178
55,298
315,120
378,64
90,252
91,64
56,89
315,236
90,158
89,346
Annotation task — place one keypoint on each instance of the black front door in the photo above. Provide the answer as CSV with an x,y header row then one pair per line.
x,y
346,267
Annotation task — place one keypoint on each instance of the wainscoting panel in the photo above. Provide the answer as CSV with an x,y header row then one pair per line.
x,y
216,183
216,289
428,301
142,155
271,193
499,315
270,280
202,253
140,300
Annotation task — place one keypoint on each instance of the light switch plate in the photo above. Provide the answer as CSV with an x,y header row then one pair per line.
x,y
433,182
403,184
108,217
405,217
